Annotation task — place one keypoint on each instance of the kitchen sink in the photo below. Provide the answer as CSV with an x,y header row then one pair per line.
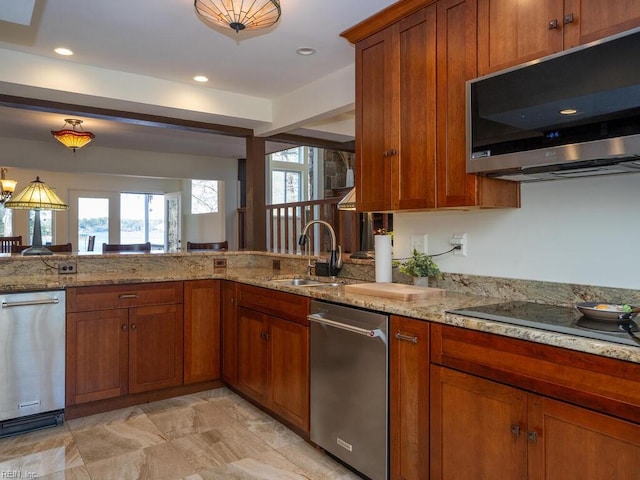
x,y
304,282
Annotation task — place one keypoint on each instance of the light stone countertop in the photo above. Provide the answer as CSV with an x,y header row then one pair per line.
x,y
433,309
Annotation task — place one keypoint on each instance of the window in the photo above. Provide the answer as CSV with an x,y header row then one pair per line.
x,y
290,175
142,219
93,219
6,218
204,196
286,186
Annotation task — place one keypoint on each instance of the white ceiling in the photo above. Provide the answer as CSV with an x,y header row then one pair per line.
x,y
166,39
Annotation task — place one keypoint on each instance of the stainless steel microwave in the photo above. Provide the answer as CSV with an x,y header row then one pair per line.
x,y
572,114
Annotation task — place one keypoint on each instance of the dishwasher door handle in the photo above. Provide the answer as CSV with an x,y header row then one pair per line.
x,y
30,303
343,326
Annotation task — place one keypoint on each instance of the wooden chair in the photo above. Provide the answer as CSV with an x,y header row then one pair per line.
x,y
207,246
7,242
60,248
126,247
91,243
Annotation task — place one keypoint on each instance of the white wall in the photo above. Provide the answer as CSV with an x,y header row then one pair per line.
x,y
115,170
584,231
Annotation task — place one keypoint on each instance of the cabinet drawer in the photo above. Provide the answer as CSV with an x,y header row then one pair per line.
x,y
284,305
105,297
600,383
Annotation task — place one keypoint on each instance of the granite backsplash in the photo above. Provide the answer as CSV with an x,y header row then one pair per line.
x,y
203,264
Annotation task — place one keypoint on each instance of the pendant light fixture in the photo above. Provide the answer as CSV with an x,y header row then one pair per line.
x,y
36,196
7,186
240,14
72,138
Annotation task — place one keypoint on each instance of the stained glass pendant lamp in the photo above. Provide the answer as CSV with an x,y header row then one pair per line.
x,y
36,196
72,138
239,14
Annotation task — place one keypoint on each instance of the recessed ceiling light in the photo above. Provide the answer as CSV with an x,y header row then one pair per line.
x,y
200,78
305,51
568,111
63,51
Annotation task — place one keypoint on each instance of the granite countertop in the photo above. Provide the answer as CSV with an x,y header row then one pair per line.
x,y
433,309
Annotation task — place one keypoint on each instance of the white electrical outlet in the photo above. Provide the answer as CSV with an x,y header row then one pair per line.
x,y
419,242
459,239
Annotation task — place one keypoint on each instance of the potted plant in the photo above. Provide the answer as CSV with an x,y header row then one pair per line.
x,y
421,267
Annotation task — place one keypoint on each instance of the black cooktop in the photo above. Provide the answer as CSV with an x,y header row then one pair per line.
x,y
549,317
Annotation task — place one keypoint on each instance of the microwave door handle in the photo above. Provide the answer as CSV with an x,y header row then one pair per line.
x,y
343,326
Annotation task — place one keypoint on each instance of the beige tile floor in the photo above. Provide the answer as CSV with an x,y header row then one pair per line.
x,y
211,435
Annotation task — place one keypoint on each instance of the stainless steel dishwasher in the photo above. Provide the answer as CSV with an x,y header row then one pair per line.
x,y
349,386
32,360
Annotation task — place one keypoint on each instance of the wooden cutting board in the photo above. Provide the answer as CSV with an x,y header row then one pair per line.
x,y
394,290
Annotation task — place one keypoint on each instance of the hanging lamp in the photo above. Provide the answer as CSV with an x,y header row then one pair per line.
x,y
240,14
72,138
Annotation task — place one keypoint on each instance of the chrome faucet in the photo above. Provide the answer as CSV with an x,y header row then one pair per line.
x,y
335,258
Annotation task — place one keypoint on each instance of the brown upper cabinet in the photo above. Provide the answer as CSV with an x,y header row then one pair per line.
x,y
511,32
410,110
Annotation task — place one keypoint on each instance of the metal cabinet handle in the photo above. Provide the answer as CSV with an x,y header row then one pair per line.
x,y
568,18
515,430
133,326
124,328
128,295
532,436
553,24
393,151
407,338
385,153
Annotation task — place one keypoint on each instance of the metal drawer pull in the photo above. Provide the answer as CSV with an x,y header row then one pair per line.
x,y
128,295
532,436
407,338
515,430
568,18
27,303
344,326
553,24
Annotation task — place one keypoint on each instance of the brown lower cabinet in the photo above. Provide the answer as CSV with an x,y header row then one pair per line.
x,y
123,340
273,352
408,398
484,429
511,409
229,333
201,330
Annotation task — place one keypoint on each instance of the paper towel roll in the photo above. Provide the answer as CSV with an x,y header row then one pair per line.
x,y
383,258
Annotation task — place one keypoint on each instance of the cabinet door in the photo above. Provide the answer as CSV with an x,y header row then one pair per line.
x,y
513,32
374,122
155,347
253,354
290,371
229,334
97,355
594,19
409,398
201,330
572,442
478,428
413,169
456,63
